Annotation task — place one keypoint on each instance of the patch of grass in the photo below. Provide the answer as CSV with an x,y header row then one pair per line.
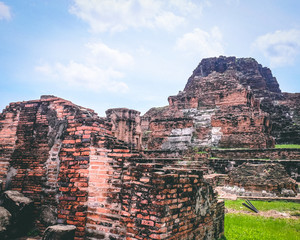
x,y
281,206
246,227
287,146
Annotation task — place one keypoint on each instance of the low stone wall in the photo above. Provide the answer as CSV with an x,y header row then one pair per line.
x,y
224,160
224,166
266,178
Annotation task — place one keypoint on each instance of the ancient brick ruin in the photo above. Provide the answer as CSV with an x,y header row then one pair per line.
x,y
128,176
64,157
217,108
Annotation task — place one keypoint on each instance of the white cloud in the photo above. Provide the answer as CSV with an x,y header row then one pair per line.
x,y
201,43
99,72
106,56
4,12
168,21
119,15
280,48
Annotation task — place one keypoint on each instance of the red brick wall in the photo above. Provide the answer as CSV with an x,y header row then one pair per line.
x,y
104,193
78,178
139,198
162,202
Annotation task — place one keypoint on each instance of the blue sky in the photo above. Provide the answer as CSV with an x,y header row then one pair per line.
x,y
135,53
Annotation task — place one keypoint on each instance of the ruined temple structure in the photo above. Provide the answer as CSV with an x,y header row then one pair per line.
x,y
126,176
227,102
68,161
283,108
215,108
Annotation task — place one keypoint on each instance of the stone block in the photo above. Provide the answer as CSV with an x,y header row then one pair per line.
x,y
59,232
22,210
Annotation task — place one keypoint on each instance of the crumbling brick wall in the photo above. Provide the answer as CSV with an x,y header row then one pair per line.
x,y
153,199
48,153
65,156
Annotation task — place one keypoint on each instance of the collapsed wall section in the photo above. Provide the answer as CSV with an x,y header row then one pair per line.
x,y
35,133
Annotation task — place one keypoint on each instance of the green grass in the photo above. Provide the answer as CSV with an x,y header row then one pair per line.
x,y
281,206
244,226
287,146
248,227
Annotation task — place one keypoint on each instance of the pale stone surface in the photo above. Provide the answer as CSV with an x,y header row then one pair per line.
x,y
59,232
